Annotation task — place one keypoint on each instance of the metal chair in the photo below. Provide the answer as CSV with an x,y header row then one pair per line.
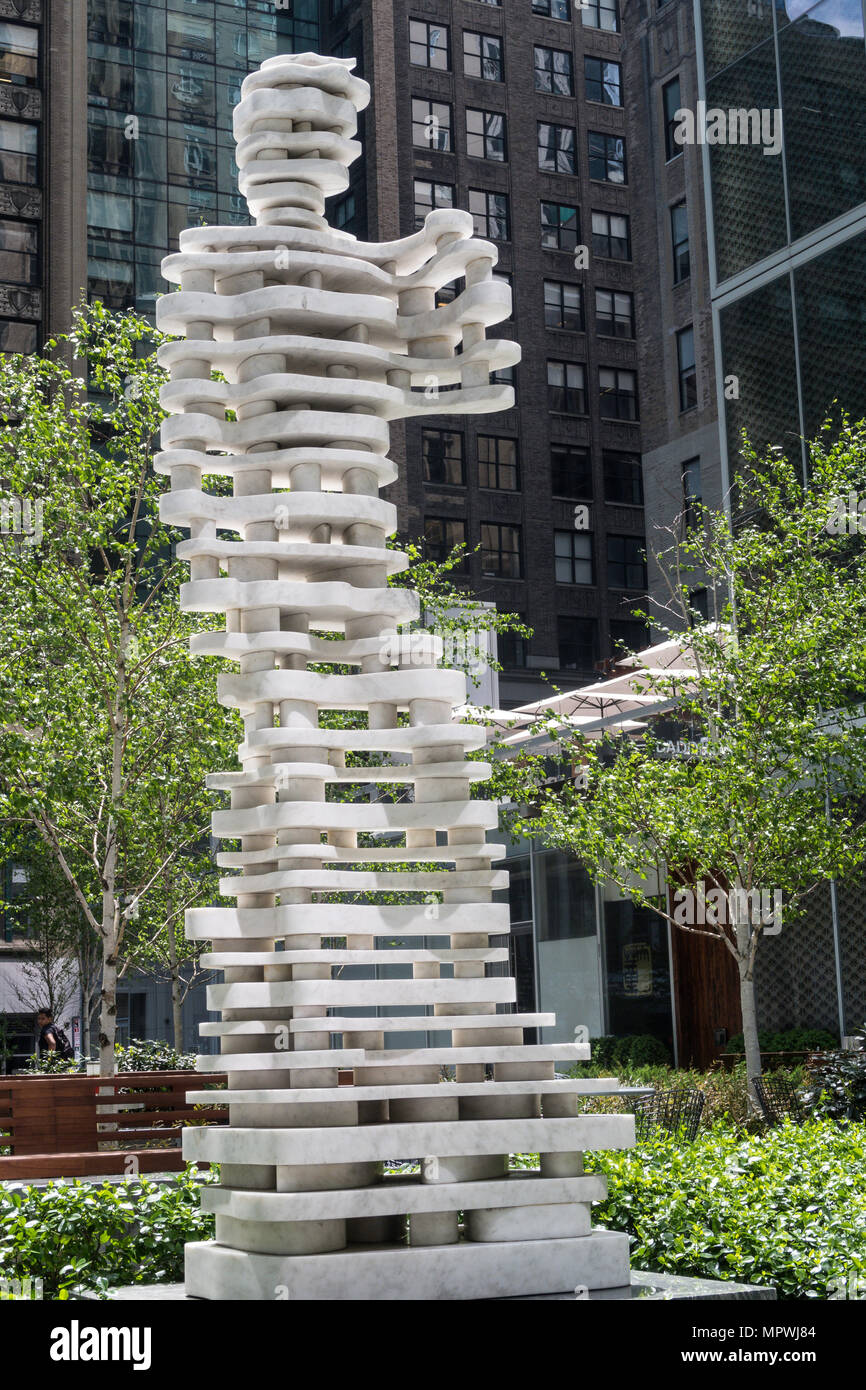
x,y
778,1100
677,1111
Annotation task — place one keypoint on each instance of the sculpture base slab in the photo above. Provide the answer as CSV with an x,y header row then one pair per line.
x,y
660,1288
467,1270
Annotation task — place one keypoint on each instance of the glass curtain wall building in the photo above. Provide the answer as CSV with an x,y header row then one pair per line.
x,y
787,248
163,77
787,232
21,175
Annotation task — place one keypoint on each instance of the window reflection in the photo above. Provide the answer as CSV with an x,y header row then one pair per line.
x,y
19,53
178,72
19,144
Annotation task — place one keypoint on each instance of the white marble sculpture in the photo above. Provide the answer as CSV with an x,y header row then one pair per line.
x,y
314,341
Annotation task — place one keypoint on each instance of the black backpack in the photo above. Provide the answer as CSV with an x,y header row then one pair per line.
x,y
64,1046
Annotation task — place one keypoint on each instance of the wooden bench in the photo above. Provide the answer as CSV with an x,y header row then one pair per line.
x,y
78,1126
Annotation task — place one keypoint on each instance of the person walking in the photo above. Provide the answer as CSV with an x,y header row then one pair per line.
x,y
52,1037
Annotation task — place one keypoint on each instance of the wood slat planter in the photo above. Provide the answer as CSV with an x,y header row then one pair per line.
x,y
78,1126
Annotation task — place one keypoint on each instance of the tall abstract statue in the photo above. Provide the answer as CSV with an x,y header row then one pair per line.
x,y
300,343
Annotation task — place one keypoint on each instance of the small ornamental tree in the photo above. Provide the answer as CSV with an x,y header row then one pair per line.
x,y
770,798
108,726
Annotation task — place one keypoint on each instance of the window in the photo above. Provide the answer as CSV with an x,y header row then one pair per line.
x,y
628,635
190,37
108,22
618,390
112,282
577,643
680,242
441,535
607,157
442,457
554,72
482,57
489,213
623,478
603,81
611,236
485,134
113,84
429,196
19,245
692,492
601,14
687,369
431,124
18,149
19,54
497,463
343,211
191,161
571,471
506,376
626,566
572,556
131,1014
700,602
614,313
511,649
566,388
552,9
563,305
500,551
428,45
446,294
670,105
555,148
17,337
560,227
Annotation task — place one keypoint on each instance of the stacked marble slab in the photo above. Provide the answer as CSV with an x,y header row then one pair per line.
x,y
299,345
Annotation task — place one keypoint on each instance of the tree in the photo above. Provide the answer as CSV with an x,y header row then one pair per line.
x,y
770,797
109,725
155,937
62,959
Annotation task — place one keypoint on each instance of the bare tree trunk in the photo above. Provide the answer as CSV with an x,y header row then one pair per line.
x,y
749,1012
111,921
108,1006
176,999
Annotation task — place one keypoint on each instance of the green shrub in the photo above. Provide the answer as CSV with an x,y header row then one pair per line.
x,y
602,1051
647,1051
786,1207
77,1236
726,1095
50,1063
837,1087
612,1054
150,1055
143,1055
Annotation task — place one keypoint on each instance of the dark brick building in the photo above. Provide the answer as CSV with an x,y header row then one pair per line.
x,y
521,113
